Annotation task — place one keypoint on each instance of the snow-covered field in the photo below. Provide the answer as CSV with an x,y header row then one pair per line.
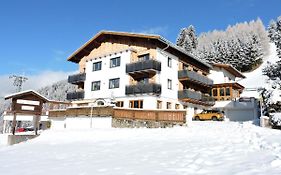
x,y
203,148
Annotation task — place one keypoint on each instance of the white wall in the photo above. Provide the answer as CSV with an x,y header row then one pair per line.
x,y
81,122
220,75
105,74
168,73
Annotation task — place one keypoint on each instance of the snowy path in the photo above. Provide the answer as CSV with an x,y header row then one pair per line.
x,y
204,148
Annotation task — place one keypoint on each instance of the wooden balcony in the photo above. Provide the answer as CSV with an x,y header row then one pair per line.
x,y
145,66
77,78
194,77
78,95
142,88
195,97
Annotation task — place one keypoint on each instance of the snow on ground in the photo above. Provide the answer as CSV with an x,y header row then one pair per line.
x,y
204,148
256,79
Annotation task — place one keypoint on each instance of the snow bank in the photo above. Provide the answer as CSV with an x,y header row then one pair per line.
x,y
205,148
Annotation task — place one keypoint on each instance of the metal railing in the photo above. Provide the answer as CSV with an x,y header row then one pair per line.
x,y
77,78
75,95
143,65
142,88
194,76
186,93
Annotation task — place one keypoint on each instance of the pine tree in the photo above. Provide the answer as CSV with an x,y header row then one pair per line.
x,y
242,45
272,30
187,39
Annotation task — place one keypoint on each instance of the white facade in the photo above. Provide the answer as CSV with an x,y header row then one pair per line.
x,y
105,74
220,75
170,73
118,94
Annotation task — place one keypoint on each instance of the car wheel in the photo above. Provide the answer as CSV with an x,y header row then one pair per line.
x,y
214,118
197,118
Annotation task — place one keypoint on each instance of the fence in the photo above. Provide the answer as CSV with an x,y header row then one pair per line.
x,y
150,115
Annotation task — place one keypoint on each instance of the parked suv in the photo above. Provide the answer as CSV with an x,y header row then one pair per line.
x,y
209,115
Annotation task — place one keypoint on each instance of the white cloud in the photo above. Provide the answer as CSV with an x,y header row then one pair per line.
x,y
160,30
34,81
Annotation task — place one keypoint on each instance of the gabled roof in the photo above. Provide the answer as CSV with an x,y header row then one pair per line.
x,y
95,42
27,92
235,85
230,69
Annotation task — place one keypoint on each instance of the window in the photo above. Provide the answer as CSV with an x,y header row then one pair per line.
x,y
119,103
97,66
159,104
114,83
215,92
169,62
227,91
222,92
95,85
169,105
115,62
136,104
143,57
169,84
177,106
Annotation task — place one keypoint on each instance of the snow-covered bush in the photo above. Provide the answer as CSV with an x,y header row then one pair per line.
x,y
275,120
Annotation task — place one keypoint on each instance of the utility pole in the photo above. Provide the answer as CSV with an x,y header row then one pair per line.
x,y
18,81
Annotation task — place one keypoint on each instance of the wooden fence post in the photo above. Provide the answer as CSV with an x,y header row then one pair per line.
x,y
14,122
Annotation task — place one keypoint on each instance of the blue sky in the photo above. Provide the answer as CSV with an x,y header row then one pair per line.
x,y
37,36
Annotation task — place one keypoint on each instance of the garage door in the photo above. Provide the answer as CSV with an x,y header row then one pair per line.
x,y
240,115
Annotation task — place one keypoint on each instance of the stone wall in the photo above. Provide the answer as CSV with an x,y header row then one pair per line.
x,y
129,123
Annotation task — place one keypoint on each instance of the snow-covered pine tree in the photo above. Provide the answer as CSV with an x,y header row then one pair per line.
x,y
240,45
274,32
181,37
187,39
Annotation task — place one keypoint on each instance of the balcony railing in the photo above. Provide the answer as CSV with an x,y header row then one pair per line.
x,y
194,76
186,93
143,65
189,94
75,95
77,78
143,88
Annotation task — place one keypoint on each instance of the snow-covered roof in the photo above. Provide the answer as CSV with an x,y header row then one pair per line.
x,y
230,69
33,92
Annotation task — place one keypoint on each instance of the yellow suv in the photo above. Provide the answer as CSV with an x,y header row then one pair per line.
x,y
209,115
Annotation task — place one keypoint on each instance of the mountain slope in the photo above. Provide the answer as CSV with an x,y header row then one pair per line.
x,y
256,79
